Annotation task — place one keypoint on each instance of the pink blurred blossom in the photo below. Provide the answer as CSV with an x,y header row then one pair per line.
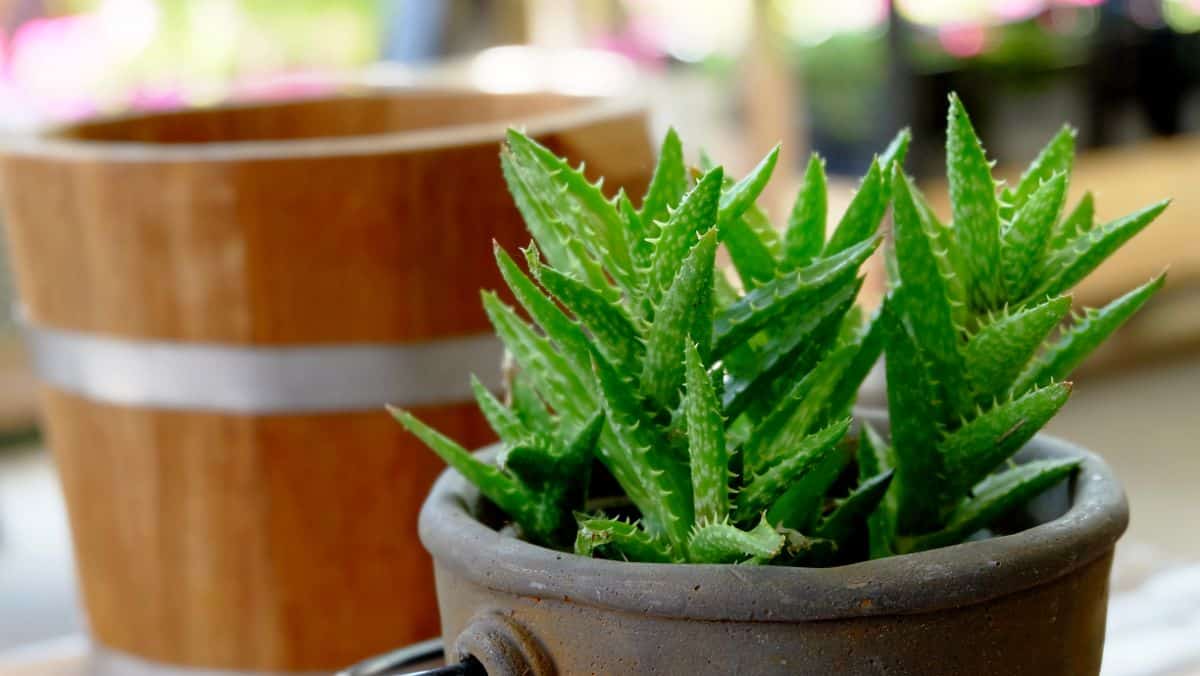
x,y
963,40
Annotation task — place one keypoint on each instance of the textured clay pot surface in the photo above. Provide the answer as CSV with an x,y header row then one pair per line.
x,y
1032,602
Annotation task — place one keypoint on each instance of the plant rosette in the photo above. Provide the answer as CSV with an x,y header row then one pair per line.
x,y
680,486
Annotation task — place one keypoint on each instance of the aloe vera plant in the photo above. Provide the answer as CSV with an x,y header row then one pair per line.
x,y
722,409
973,371
720,413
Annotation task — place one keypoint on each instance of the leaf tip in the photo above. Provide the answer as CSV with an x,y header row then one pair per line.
x,y
402,416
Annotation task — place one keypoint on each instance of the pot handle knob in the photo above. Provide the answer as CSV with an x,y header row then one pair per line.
x,y
502,647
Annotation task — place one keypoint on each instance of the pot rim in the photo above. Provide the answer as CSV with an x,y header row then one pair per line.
x,y
955,576
49,143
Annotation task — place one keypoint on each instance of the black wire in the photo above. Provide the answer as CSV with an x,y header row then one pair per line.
x,y
397,662
468,667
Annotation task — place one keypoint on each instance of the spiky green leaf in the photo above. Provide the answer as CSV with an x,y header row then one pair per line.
x,y
1055,158
1085,253
609,326
896,152
875,459
913,409
539,521
634,226
761,490
803,550
724,292
750,253
557,326
923,298
686,312
950,260
532,462
706,442
852,326
993,498
667,185
503,420
628,541
559,471
741,195
792,291
805,234
869,342
696,214
721,542
757,220
864,213
639,458
529,406
1069,351
547,207
592,272
973,203
552,465
1023,243
800,505
1001,349
978,447
581,204
849,513
1081,219
540,219
789,355
797,414
556,380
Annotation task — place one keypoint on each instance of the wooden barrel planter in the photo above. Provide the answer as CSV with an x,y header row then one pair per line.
x,y
219,303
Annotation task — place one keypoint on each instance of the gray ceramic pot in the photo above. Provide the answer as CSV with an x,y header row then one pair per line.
x,y
1032,602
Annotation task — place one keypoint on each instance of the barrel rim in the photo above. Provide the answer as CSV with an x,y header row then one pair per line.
x,y
49,144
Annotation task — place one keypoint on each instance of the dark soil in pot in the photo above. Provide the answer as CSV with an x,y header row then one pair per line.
x,y
1029,602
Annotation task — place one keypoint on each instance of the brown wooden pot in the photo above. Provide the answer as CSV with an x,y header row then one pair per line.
x,y
219,304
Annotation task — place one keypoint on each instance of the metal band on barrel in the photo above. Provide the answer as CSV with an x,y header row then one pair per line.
x,y
259,380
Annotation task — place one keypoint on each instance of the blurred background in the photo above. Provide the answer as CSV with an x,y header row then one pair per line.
x,y
838,78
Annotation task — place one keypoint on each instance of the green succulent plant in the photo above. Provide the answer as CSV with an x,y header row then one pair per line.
x,y
721,411
973,372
